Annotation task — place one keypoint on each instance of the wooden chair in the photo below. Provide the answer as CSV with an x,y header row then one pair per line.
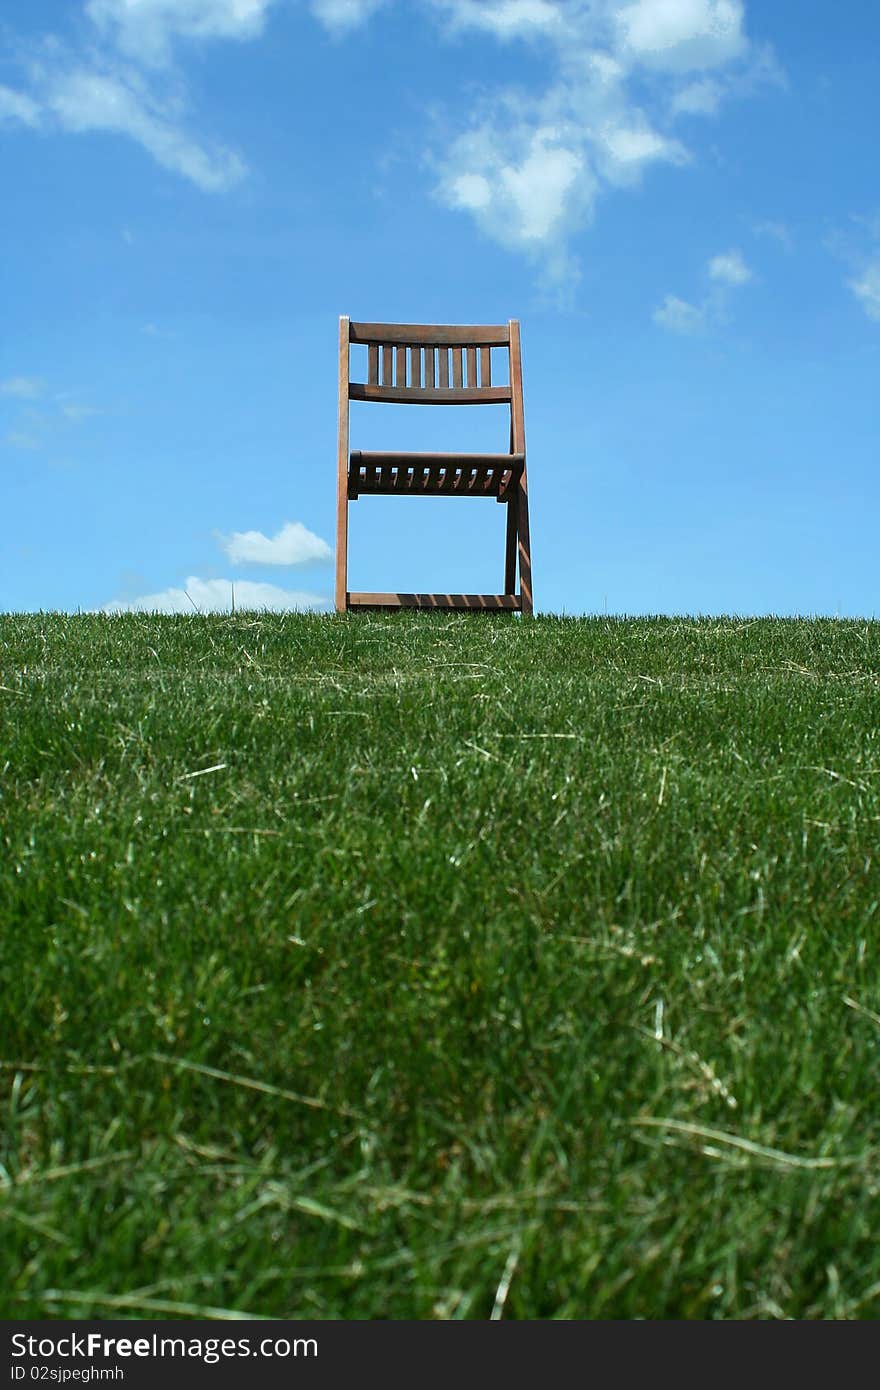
x,y
410,363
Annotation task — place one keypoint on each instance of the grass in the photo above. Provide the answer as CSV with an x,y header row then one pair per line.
x,y
425,966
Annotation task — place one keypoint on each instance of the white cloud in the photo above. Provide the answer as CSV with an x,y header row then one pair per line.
x,y
729,268
530,172
538,189
625,149
680,317
18,106
471,191
146,29
681,35
520,199
216,596
530,167
339,16
293,545
529,185
86,100
867,290
25,388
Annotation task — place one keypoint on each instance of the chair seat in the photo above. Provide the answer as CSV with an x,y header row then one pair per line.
x,y
433,475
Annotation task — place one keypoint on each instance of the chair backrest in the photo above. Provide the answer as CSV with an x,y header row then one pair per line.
x,y
434,364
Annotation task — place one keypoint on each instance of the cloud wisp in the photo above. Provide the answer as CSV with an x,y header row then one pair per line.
x,y
17,108
729,269
23,388
42,416
148,30
21,439
121,102
726,271
678,316
857,245
122,81
866,288
342,16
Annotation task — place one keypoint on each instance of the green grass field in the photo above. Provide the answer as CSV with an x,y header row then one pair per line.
x,y
426,966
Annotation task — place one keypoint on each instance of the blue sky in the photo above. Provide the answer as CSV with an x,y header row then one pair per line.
x,y
679,199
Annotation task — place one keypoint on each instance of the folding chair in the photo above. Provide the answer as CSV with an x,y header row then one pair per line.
x,y
409,363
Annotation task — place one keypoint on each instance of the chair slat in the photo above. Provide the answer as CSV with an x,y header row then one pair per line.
x,y
485,366
456,367
471,366
443,354
373,373
438,395
415,368
429,368
496,335
387,365
401,366
479,478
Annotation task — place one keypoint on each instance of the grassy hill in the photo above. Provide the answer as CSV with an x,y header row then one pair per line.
x,y
422,966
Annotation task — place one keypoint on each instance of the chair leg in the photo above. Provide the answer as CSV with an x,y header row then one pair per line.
x,y
510,547
342,546
342,537
525,549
